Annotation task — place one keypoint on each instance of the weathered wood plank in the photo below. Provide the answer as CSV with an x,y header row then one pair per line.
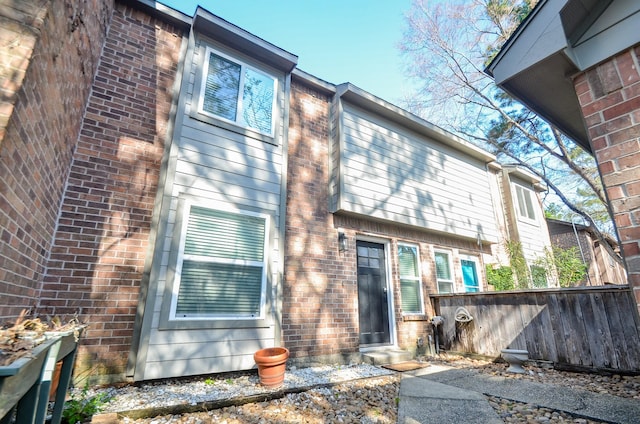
x,y
629,329
579,332
579,327
598,334
546,341
618,342
532,330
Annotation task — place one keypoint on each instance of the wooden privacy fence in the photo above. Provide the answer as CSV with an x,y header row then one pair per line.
x,y
594,327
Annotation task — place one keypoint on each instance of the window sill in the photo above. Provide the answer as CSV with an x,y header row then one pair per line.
x,y
184,324
415,317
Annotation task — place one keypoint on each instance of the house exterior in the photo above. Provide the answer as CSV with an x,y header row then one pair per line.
x,y
199,197
525,222
602,266
575,63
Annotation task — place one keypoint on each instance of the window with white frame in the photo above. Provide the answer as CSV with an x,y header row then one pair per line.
x,y
221,270
410,286
237,93
524,198
444,275
539,276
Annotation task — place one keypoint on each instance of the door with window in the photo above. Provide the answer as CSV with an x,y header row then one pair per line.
x,y
373,300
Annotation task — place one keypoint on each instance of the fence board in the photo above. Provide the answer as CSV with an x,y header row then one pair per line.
x,y
585,327
629,329
599,338
532,332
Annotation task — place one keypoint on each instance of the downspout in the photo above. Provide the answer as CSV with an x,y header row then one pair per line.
x,y
278,293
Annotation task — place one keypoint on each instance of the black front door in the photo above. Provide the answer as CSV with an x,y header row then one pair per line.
x,y
372,294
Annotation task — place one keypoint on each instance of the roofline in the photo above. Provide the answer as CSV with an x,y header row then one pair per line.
x,y
161,11
515,34
315,82
231,34
526,175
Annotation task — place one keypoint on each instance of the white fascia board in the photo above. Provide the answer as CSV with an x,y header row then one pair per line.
x,y
241,40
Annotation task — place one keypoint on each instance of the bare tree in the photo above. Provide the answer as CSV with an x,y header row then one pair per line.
x,y
447,46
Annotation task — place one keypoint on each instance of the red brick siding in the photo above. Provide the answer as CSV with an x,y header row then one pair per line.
x,y
102,239
49,59
409,328
320,299
609,95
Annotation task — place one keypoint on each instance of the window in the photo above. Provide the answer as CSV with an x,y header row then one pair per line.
x,y
221,269
237,93
470,278
410,287
538,276
443,272
524,198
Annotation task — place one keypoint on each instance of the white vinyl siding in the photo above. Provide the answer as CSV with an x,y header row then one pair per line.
x,y
237,92
393,174
410,285
221,269
533,233
444,274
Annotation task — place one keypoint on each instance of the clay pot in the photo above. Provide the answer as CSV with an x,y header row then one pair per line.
x,y
271,365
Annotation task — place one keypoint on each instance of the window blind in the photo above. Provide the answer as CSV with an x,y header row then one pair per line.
x,y
223,267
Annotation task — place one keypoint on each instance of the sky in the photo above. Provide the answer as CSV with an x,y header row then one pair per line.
x,y
335,40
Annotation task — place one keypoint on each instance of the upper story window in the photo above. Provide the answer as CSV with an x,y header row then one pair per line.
x,y
524,198
410,287
238,93
443,272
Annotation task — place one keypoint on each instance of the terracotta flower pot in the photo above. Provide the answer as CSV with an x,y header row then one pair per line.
x,y
271,365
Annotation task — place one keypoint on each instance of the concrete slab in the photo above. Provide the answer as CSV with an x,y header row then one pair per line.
x,y
446,411
583,403
386,356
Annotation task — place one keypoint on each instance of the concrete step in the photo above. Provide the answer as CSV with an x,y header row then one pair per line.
x,y
386,356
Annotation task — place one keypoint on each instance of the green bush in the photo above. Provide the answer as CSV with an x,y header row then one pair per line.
x,y
500,278
81,407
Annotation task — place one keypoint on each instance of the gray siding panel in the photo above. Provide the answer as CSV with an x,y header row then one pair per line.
x,y
223,167
393,174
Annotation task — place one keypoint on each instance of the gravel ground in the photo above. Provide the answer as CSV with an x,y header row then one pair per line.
x,y
342,394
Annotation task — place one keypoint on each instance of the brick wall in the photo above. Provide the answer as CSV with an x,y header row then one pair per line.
x,y
320,299
48,55
609,95
411,327
102,240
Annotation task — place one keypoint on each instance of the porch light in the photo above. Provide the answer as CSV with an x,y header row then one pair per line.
x,y
342,240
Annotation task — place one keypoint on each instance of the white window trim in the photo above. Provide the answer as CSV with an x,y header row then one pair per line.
x,y
451,270
546,276
239,121
523,215
418,278
182,256
476,261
